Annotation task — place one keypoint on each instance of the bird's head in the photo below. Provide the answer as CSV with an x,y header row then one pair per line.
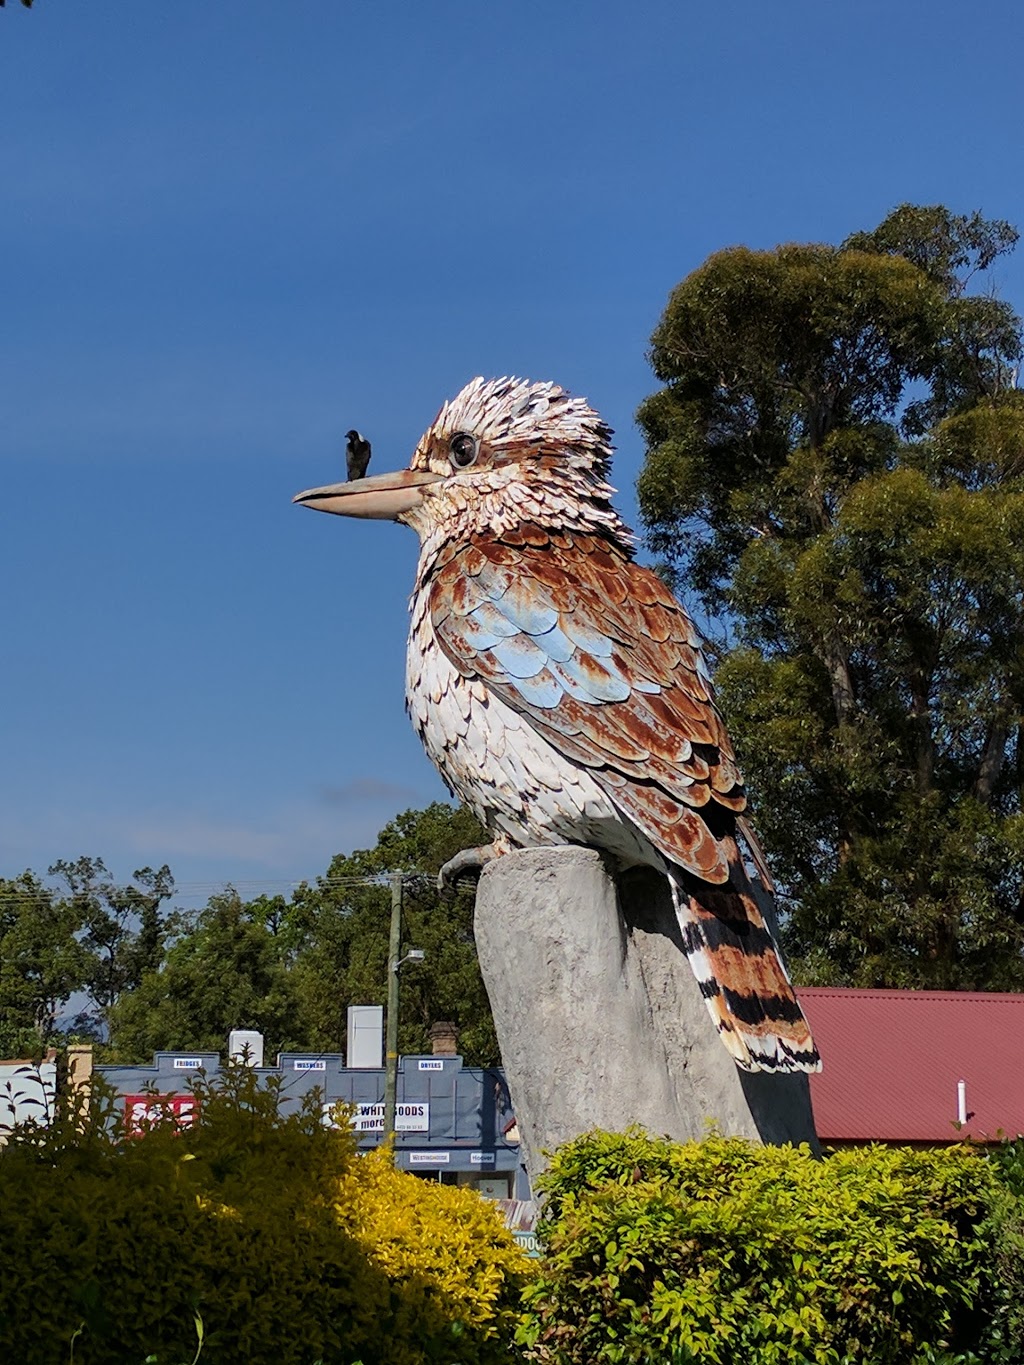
x,y
501,453
353,435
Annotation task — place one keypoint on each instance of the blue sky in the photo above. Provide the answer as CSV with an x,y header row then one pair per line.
x,y
229,231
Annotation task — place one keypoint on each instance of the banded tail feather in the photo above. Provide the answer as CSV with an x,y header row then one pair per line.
x,y
740,974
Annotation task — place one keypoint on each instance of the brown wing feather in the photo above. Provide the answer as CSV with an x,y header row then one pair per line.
x,y
632,702
640,746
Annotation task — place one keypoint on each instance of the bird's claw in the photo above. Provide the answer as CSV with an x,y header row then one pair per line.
x,y
471,861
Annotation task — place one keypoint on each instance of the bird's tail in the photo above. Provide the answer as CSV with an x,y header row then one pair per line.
x,y
740,973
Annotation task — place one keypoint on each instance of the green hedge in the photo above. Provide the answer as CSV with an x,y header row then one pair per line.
x,y
267,1236
730,1254
1006,1229
254,1238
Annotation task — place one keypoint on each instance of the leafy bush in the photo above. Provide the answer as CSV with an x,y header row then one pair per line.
x,y
256,1231
1006,1228
732,1254
440,1246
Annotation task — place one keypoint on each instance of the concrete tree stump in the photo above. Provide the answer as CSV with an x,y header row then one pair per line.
x,y
599,1018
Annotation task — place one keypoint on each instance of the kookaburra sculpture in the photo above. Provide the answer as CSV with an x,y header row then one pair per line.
x,y
560,688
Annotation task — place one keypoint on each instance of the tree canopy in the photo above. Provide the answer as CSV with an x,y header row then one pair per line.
x,y
93,939
146,979
42,962
339,931
291,967
835,469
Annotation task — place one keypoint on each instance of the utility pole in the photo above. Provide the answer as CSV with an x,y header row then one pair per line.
x,y
391,1037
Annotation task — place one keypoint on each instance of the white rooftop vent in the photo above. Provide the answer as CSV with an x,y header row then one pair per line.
x,y
246,1045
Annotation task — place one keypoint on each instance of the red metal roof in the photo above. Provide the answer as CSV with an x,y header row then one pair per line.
x,y
891,1062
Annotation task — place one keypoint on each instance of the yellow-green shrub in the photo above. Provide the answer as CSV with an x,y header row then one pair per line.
x,y
261,1226
732,1254
444,1248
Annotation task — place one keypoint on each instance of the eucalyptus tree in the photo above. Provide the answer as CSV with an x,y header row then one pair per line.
x,y
835,470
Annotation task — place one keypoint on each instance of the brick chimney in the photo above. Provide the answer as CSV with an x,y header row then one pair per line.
x,y
444,1038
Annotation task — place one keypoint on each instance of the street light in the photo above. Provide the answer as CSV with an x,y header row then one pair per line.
x,y
413,955
394,963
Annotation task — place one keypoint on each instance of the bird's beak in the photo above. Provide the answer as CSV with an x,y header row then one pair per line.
x,y
382,496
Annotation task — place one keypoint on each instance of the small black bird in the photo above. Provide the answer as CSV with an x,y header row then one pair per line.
x,y
357,454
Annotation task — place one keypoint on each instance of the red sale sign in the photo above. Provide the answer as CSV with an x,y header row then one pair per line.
x,y
143,1111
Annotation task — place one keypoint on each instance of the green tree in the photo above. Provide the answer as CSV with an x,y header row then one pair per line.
x,y
122,926
290,968
337,931
835,467
225,970
286,967
42,962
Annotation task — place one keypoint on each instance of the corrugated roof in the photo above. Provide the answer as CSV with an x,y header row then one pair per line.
x,y
892,1061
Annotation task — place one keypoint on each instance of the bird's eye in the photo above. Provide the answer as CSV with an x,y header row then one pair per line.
x,y
463,449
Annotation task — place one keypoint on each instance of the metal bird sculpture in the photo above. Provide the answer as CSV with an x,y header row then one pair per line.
x,y
357,454
560,689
